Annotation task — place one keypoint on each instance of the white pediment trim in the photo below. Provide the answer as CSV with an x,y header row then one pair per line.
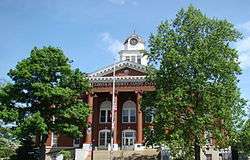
x,y
118,66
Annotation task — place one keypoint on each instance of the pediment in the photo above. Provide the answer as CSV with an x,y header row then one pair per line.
x,y
126,72
123,68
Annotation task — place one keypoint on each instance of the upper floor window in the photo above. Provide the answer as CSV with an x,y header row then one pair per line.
x,y
149,114
133,58
129,112
105,112
127,58
139,59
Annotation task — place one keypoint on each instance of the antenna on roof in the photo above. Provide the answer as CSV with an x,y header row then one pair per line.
x,y
133,26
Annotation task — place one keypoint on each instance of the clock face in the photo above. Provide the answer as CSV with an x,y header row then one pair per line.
x,y
133,41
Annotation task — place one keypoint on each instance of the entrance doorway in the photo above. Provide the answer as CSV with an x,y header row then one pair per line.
x,y
128,139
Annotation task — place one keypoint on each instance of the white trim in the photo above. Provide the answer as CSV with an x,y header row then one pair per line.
x,y
76,145
134,136
105,106
129,108
119,79
119,65
106,137
52,140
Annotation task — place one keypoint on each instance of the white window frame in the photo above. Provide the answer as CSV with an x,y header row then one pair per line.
x,y
208,138
138,57
53,135
150,114
133,59
106,131
127,58
206,155
126,131
76,144
129,106
105,106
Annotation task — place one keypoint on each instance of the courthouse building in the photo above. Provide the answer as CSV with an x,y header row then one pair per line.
x,y
130,83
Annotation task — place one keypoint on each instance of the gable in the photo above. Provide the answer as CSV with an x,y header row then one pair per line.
x,y
123,68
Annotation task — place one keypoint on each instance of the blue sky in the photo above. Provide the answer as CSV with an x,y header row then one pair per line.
x,y
91,31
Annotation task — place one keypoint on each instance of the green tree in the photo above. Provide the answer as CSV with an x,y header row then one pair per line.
x,y
242,144
8,143
46,94
195,71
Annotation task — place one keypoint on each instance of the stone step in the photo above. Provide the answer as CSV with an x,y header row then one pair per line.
x,y
148,154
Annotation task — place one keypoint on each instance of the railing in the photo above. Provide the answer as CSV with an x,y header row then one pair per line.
x,y
118,78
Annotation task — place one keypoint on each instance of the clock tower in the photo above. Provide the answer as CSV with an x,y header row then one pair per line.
x,y
134,47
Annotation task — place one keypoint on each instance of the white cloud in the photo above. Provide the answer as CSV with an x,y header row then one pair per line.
x,y
245,26
122,2
112,45
243,46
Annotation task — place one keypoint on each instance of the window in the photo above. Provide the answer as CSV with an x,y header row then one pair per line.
x,y
54,139
129,112
104,138
149,114
132,115
127,58
208,156
139,59
128,138
125,115
225,155
133,58
77,142
208,137
105,112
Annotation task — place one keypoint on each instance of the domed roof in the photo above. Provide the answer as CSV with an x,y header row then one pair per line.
x,y
134,35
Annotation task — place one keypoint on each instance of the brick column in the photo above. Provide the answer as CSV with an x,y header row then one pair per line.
x,y
88,138
139,123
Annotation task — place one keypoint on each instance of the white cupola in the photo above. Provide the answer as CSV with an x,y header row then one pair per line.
x,y
134,47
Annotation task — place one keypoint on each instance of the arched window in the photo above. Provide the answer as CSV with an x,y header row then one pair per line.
x,y
105,112
129,112
104,138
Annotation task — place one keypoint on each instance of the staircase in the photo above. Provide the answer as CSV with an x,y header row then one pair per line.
x,y
147,154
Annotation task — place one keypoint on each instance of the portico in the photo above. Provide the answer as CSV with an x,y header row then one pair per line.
x,y
128,126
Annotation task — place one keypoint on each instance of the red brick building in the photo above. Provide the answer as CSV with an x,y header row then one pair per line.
x,y
130,83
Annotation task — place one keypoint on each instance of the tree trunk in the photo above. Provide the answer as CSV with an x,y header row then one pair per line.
x,y
197,149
